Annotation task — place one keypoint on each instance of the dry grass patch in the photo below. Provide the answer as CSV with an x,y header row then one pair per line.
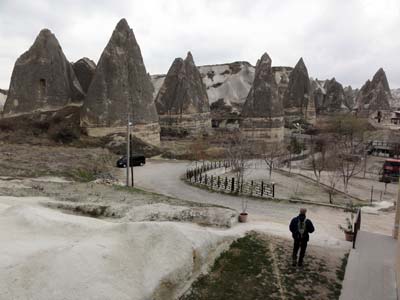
x,y
259,267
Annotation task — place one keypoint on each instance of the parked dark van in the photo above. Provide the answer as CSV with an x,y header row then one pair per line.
x,y
135,160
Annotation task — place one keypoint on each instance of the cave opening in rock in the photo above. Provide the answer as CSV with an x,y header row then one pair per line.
x,y
42,87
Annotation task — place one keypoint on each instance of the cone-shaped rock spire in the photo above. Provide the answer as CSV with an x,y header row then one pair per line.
x,y
120,86
334,100
42,78
183,91
375,95
262,114
263,100
297,97
182,101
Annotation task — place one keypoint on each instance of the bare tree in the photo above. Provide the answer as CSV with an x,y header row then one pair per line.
x,y
271,153
197,149
333,176
238,152
349,166
348,138
294,148
319,155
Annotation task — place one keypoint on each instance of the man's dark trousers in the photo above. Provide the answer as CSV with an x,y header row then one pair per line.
x,y
302,245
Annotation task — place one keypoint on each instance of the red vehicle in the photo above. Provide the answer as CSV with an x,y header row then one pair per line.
x,y
390,170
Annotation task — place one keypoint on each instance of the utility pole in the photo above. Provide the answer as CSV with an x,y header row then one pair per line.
x,y
397,215
128,142
131,145
133,159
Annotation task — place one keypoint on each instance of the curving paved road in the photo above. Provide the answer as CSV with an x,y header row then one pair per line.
x,y
163,176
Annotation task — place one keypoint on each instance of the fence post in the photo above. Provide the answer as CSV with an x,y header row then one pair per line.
x,y
372,193
212,182
273,190
200,178
233,185
205,179
251,189
262,188
218,182
226,182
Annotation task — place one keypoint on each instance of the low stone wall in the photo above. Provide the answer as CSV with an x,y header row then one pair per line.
x,y
256,129
184,125
149,133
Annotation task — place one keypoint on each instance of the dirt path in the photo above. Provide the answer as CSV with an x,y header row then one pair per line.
x,y
276,271
163,176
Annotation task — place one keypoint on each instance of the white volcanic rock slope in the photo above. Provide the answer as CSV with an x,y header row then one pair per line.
x,y
47,255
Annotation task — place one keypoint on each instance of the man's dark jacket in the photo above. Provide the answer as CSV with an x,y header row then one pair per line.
x,y
294,229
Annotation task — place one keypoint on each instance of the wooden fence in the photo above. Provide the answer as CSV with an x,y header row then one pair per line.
x,y
356,227
228,184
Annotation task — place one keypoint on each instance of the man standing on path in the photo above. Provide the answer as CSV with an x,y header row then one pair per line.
x,y
300,228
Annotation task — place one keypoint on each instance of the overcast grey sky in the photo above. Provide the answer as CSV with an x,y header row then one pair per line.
x,y
346,39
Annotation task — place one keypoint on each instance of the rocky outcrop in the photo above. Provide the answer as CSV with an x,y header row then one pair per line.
x,y
84,71
297,99
121,86
3,97
42,127
329,96
350,95
282,75
182,101
42,79
334,98
229,83
318,94
227,87
374,95
395,98
262,115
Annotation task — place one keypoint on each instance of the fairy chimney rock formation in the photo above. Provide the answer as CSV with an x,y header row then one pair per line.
x,y
296,101
182,102
42,79
350,96
374,95
262,114
84,71
121,87
334,98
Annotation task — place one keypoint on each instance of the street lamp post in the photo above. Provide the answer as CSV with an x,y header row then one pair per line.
x,y
128,150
